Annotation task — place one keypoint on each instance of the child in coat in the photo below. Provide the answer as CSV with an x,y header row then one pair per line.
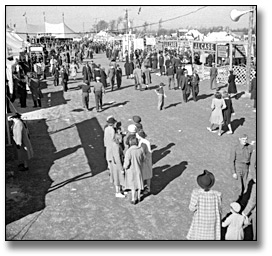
x,y
161,95
235,223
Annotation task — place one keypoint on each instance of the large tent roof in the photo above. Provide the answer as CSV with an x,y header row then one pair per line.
x,y
60,30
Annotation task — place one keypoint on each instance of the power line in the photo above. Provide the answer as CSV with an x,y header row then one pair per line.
x,y
140,26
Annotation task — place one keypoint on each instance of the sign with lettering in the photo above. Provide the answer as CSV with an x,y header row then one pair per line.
x,y
204,46
222,51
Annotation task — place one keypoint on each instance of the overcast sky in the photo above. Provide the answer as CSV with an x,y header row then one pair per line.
x,y
83,17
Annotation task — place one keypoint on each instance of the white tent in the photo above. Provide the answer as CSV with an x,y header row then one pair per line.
x,y
219,36
60,30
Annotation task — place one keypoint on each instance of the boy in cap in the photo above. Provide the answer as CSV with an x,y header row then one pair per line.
x,y
161,95
137,121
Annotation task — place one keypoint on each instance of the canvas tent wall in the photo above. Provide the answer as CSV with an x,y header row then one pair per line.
x,y
60,30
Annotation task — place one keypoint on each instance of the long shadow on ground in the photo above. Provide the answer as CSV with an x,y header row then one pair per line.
x,y
163,175
31,186
92,140
158,154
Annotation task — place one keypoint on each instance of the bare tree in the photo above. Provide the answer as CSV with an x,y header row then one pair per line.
x,y
112,25
119,21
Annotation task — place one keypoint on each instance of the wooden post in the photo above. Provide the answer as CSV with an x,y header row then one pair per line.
x,y
230,55
216,57
249,46
192,50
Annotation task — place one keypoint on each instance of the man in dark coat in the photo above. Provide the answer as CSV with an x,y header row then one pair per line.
x,y
195,85
179,74
185,86
111,76
103,77
118,76
87,73
161,63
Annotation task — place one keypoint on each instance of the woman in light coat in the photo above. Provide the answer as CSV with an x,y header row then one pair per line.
x,y
147,173
134,158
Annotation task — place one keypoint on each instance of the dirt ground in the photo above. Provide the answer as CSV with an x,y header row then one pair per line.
x,y
66,194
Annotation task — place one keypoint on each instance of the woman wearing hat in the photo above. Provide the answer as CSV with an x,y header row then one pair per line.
x,y
218,104
232,85
134,158
227,111
22,142
206,205
235,223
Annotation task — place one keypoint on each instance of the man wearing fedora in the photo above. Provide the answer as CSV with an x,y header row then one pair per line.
x,y
206,206
239,163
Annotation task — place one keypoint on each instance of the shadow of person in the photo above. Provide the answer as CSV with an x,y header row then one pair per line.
x,y
158,154
163,175
172,105
114,105
237,122
204,96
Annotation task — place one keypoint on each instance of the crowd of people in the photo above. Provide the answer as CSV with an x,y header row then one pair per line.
x,y
129,154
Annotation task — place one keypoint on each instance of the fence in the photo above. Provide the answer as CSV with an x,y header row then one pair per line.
x,y
223,73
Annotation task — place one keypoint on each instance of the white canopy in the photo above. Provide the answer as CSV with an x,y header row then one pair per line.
x,y
219,36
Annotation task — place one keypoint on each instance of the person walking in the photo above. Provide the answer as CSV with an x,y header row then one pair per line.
x,y
206,206
116,169
185,86
235,223
138,75
147,77
161,63
161,96
213,76
86,89
179,74
103,77
239,164
73,70
21,89
227,112
64,78
170,74
22,142
232,85
34,86
147,173
195,85
99,90
87,73
111,76
251,208
118,76
127,68
134,158
109,133
55,72
216,118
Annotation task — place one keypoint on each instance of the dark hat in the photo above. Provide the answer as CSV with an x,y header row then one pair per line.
x,y
141,133
111,120
17,115
205,180
139,126
136,119
162,84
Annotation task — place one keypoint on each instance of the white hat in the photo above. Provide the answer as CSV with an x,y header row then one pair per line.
x,y
132,128
235,206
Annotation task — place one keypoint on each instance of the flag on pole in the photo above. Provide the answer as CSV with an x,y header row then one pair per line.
x,y
139,10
